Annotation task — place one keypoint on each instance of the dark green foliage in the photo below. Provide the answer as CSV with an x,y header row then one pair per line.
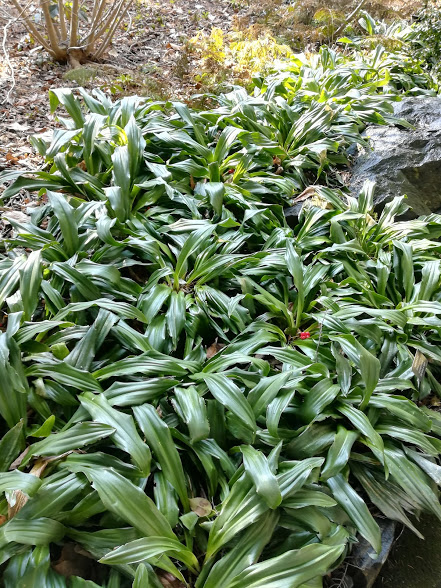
x,y
218,396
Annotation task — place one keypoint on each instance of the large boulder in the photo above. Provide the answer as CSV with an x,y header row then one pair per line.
x,y
404,161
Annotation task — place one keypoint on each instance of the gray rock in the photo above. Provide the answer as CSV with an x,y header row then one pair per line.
x,y
365,565
292,214
405,161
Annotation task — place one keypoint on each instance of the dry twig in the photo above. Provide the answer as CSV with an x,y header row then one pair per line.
x,y
6,54
8,61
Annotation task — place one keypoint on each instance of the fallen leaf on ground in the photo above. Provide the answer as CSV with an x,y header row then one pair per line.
x,y
201,506
11,158
214,348
17,216
15,126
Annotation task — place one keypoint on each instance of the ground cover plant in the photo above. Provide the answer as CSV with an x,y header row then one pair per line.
x,y
194,392
396,51
427,38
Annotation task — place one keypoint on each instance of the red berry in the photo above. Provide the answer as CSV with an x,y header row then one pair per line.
x,y
305,335
231,171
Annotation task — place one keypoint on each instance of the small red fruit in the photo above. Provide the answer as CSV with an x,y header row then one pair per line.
x,y
231,171
305,335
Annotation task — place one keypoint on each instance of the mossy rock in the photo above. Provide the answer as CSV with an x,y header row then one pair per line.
x,y
81,75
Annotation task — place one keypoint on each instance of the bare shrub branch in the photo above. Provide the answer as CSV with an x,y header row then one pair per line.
x,y
62,17
118,17
74,24
31,27
66,37
53,37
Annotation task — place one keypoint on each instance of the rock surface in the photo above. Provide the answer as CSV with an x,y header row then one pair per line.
x,y
292,214
405,161
365,566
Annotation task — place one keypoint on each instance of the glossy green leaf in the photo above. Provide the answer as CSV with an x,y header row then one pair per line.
x,y
290,569
17,480
245,554
67,221
146,548
124,435
129,502
11,444
356,509
73,438
194,411
160,440
230,395
256,466
30,280
34,532
339,452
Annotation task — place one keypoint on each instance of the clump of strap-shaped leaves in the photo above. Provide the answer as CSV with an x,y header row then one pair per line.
x,y
161,411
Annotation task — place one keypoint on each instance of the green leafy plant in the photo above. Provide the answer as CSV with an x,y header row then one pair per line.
x,y
260,140
427,39
328,21
401,46
234,57
193,391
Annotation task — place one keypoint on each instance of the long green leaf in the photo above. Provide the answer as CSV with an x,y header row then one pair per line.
x,y
256,465
129,502
125,434
356,509
291,569
146,548
230,395
76,437
66,218
160,440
